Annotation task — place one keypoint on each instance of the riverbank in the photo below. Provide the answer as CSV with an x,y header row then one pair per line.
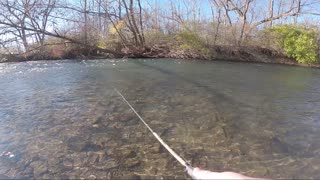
x,y
217,53
229,53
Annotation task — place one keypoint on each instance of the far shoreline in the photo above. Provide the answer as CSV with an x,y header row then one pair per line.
x,y
224,54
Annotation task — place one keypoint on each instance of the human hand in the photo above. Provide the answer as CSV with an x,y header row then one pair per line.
x,y
198,173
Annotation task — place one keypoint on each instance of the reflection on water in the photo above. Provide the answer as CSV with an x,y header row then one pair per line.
x,y
62,119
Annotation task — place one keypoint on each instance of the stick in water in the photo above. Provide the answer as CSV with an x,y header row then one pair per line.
x,y
174,154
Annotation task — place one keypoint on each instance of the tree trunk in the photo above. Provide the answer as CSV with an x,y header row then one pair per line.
x,y
271,4
23,35
85,23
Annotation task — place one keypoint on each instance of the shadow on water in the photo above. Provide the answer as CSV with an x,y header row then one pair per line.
x,y
231,113
268,131
208,89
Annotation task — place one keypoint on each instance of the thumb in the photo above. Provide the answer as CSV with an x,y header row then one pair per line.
x,y
189,170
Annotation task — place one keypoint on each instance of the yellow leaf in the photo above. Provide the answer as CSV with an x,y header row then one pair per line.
x,y
113,29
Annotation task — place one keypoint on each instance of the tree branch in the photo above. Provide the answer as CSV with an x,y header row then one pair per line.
x,y
65,38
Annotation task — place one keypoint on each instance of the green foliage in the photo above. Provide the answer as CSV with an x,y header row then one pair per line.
x,y
191,41
296,42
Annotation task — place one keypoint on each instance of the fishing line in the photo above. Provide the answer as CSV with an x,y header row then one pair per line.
x,y
171,151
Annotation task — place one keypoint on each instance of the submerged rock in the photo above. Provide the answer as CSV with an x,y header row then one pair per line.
x,y
93,158
279,146
67,163
132,163
129,154
78,145
156,148
39,168
92,177
79,159
110,164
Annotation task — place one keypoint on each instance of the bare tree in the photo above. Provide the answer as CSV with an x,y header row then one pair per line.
x,y
219,11
298,11
85,16
293,11
16,12
132,22
26,19
242,9
57,35
242,12
39,17
27,13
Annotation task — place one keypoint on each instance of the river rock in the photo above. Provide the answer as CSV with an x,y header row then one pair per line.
x,y
95,125
80,159
279,146
89,146
67,163
92,177
262,171
39,168
110,164
156,148
129,154
76,143
132,163
110,151
93,158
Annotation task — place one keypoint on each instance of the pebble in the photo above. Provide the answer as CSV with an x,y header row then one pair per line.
x,y
93,158
111,163
67,163
127,153
80,159
92,177
156,148
39,168
132,163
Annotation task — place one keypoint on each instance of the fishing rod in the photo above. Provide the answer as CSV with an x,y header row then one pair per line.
x,y
195,173
171,151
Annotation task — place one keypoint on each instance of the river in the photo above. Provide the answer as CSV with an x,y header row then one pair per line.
x,y
63,119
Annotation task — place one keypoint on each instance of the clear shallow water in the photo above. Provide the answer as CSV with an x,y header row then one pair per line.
x,y
62,119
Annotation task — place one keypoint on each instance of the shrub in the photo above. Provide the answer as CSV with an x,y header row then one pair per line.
x,y
296,42
191,41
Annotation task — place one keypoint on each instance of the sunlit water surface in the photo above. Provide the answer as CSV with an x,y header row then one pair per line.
x,y
63,119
